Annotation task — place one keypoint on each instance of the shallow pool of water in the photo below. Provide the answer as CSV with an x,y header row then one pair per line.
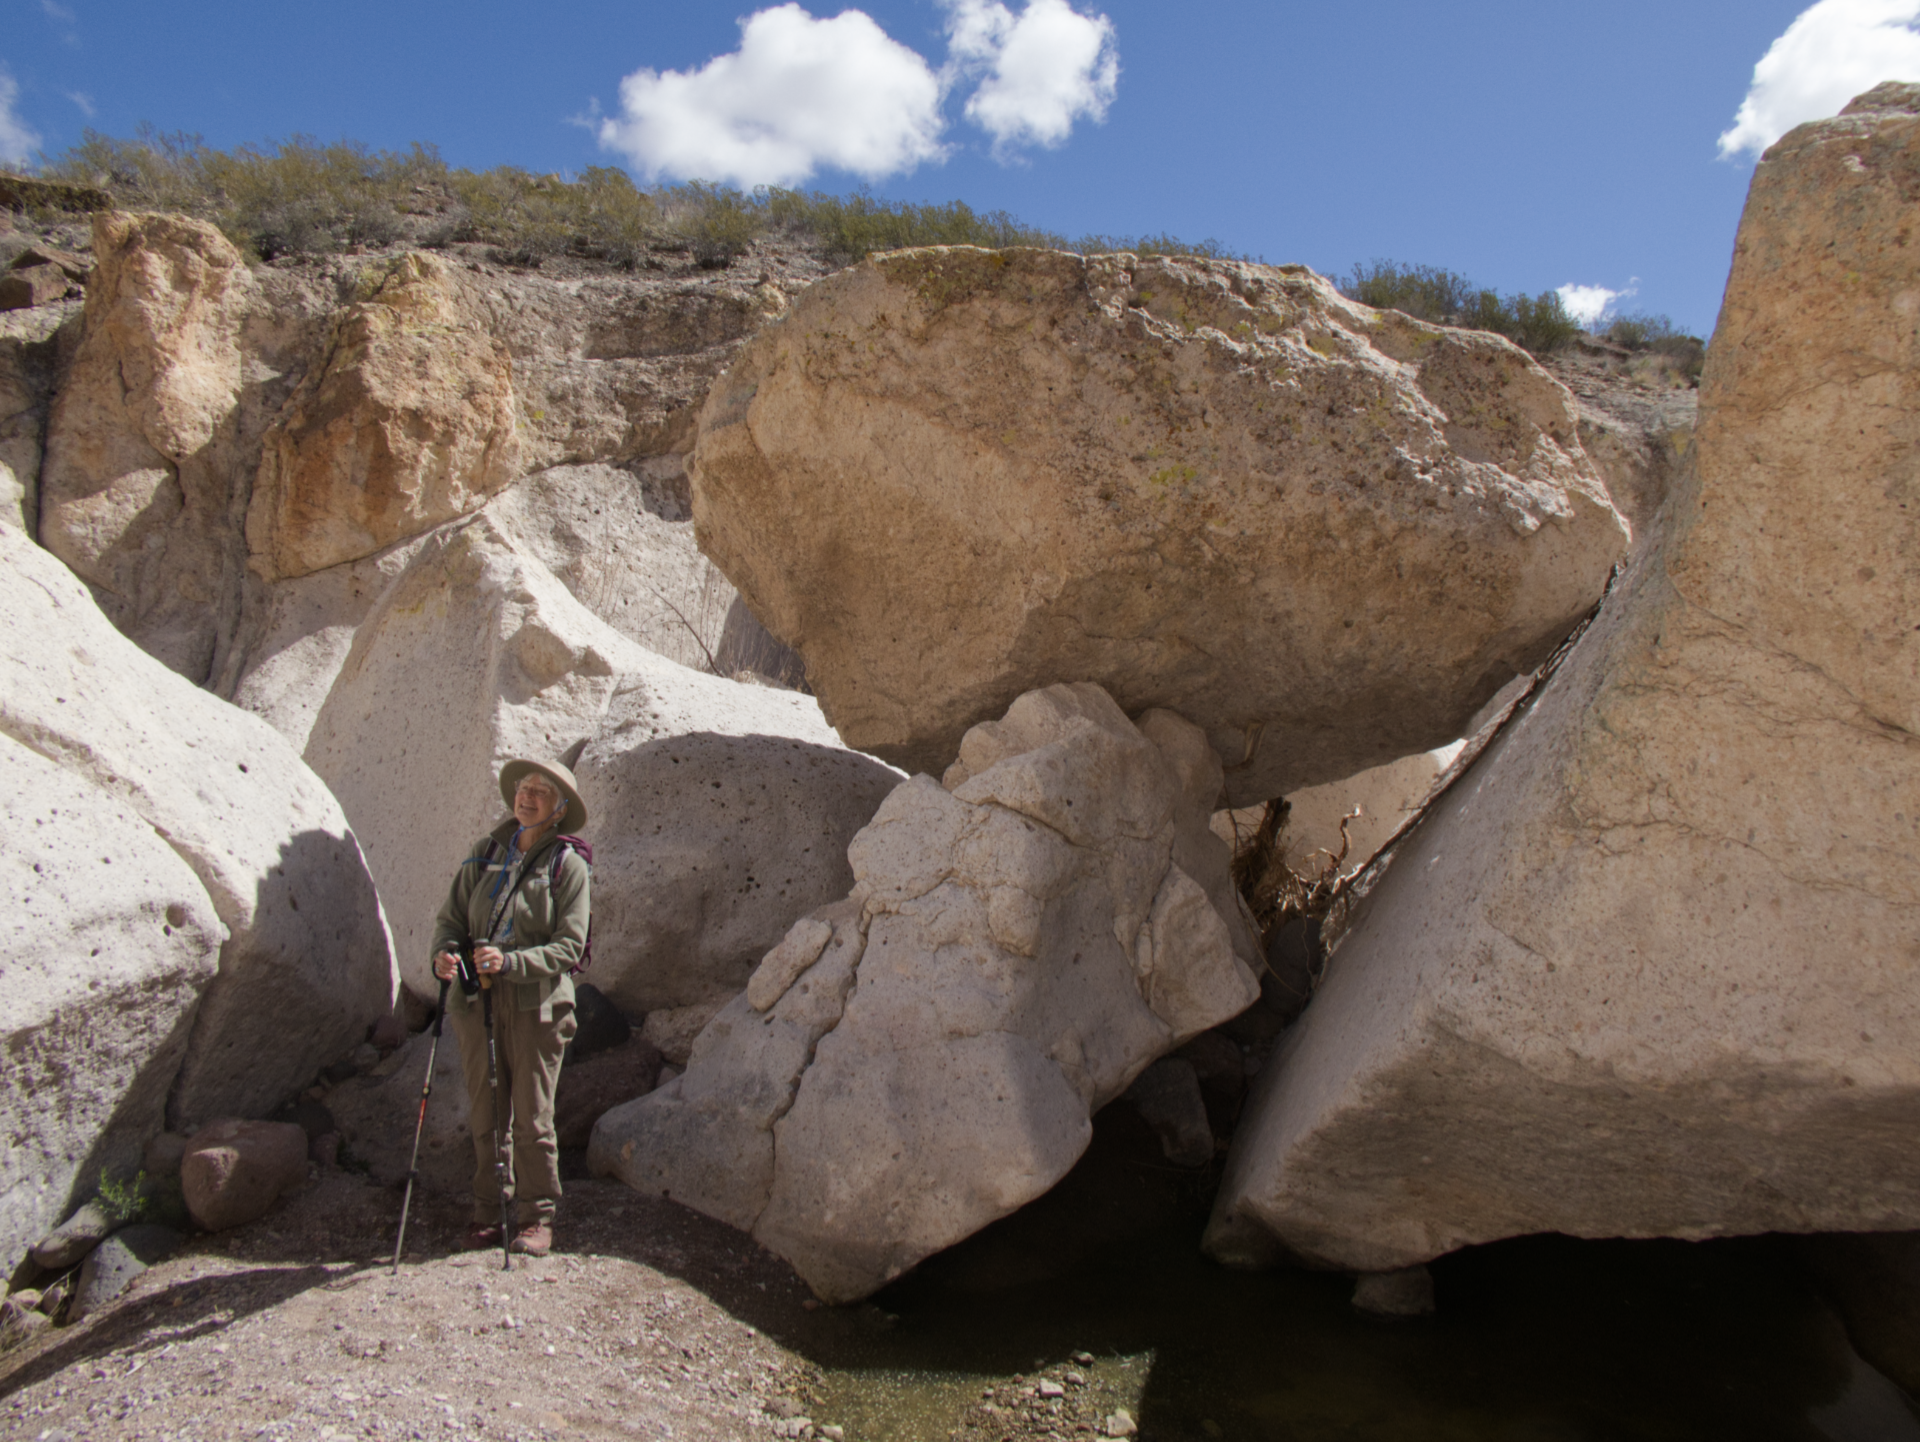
x,y
1541,1339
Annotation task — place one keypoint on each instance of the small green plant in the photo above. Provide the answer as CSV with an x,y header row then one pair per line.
x,y
125,1199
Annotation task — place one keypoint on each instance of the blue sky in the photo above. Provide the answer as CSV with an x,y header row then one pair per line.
x,y
1528,143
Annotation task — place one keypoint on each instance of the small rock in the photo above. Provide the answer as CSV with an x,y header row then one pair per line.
x,y
588,1090
111,1267
1085,1359
389,1032
32,285
73,1238
1048,1388
1121,1423
1405,1293
161,1160
1074,1379
26,1299
324,1150
833,1434
365,1057
54,1297
1167,1096
234,1170
602,1027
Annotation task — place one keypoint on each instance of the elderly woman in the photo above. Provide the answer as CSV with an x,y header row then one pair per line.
x,y
523,920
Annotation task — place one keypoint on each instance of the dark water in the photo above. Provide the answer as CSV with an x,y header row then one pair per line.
x,y
1540,1339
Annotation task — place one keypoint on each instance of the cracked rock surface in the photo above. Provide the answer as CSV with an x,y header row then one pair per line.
x,y
922,1058
1323,533
1648,970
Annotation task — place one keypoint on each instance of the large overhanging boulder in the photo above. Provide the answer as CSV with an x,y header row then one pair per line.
x,y
1649,969
1326,534
910,1064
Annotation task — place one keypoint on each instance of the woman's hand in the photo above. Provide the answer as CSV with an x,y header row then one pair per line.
x,y
446,965
489,960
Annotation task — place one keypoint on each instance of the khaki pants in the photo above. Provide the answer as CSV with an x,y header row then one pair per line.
x,y
528,1052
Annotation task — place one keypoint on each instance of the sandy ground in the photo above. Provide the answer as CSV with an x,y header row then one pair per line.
x,y
290,1329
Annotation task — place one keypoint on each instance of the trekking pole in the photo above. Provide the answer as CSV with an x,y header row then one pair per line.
x,y
499,1151
413,1162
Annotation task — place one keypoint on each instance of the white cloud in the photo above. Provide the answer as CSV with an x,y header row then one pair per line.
x,y
1834,51
83,101
803,93
18,140
1045,68
1589,304
798,94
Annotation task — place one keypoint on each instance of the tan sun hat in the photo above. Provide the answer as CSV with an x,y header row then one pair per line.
x,y
516,771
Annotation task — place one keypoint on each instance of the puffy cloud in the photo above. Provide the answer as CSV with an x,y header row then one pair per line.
x,y
1045,68
1834,51
1588,304
798,94
803,93
18,140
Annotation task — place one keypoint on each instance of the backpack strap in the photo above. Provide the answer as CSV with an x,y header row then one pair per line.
x,y
584,849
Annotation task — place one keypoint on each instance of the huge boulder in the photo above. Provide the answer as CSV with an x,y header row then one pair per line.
x,y
408,422
472,652
910,1064
1648,970
140,482
1324,533
709,845
110,941
307,962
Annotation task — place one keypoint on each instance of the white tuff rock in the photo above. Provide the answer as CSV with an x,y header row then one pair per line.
x,y
1649,970
1016,949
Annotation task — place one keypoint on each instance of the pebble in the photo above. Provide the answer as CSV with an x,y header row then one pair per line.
x,y
1052,1389
1121,1423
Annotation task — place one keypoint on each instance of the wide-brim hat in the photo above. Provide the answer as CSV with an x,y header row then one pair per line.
x,y
517,770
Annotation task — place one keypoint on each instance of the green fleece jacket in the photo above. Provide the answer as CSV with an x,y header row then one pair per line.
x,y
543,933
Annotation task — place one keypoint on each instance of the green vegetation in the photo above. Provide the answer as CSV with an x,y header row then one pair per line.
x,y
1536,323
1660,347
306,197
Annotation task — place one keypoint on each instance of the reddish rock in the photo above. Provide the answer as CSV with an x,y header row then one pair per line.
x,y
234,1170
32,285
604,1080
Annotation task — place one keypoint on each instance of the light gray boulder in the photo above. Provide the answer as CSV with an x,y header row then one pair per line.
x,y
111,939
912,1063
1648,970
112,1266
307,962
707,846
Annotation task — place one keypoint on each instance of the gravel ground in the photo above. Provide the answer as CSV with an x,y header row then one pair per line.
x,y
289,1329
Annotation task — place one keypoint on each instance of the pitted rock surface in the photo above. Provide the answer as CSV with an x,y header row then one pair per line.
x,y
1648,969
924,1057
1325,534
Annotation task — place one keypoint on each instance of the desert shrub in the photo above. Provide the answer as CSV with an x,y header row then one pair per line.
x,y
715,222
304,197
1667,350
1537,323
1425,292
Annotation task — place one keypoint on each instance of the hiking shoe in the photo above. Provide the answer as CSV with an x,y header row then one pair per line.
x,y
534,1240
481,1235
